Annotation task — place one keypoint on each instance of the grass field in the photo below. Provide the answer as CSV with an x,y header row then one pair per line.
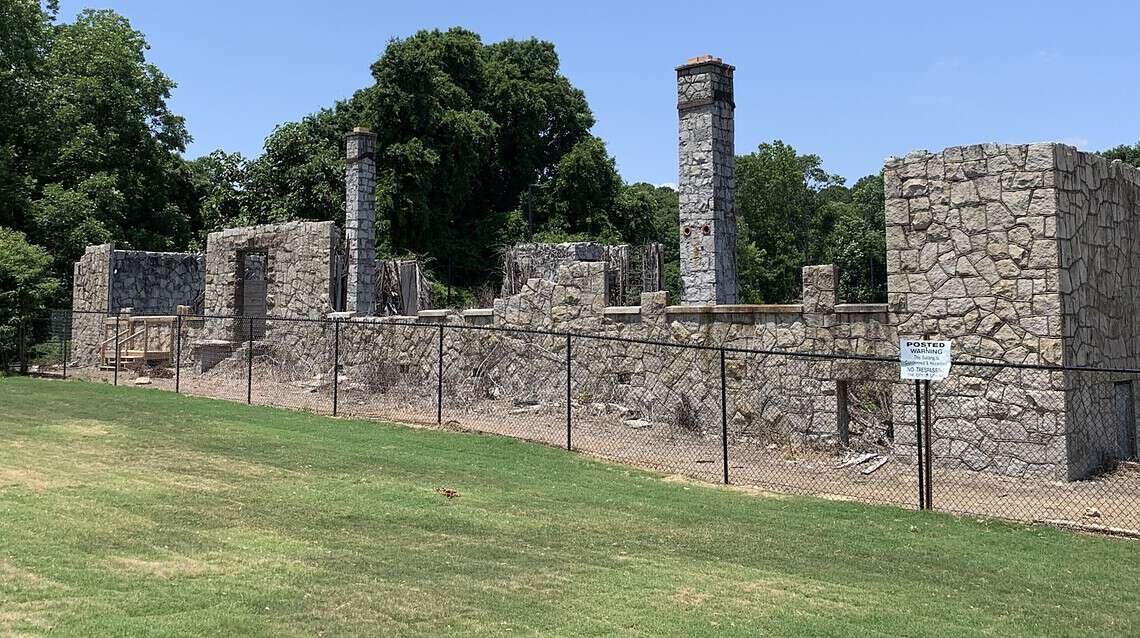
x,y
131,511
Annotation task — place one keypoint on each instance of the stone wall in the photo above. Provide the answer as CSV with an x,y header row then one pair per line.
x,y
775,398
108,280
1098,232
91,291
300,271
153,283
628,273
1097,227
1019,254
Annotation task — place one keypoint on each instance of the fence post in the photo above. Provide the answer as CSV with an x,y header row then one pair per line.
x,y
249,366
439,385
723,418
918,444
116,382
336,362
63,354
569,440
929,456
178,356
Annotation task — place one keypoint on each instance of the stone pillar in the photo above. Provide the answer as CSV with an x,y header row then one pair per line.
x,y
360,220
819,288
706,182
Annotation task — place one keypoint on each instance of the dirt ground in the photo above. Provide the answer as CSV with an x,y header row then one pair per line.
x,y
1108,501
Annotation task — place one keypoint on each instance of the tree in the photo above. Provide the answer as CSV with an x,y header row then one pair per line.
x,y
24,41
26,286
218,182
856,243
580,198
89,150
464,130
300,174
780,219
65,221
653,214
1124,153
109,116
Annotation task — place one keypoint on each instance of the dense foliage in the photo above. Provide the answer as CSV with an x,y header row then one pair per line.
x,y
1124,153
479,146
89,151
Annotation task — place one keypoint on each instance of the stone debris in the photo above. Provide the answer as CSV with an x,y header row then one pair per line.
x,y
872,468
142,381
526,409
856,460
637,424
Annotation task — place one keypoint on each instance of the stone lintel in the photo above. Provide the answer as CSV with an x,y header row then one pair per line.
x,y
854,308
735,309
623,310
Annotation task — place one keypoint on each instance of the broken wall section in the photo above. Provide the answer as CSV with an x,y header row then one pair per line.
x,y
631,270
300,282
106,280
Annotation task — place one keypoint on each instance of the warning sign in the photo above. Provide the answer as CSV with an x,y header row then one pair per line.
x,y
929,360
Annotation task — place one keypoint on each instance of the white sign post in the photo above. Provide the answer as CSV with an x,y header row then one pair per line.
x,y
925,360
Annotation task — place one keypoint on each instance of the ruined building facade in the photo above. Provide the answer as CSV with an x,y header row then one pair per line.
x,y
1018,254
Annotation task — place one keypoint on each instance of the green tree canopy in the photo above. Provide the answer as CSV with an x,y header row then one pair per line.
x,y
26,285
463,129
791,213
1124,153
89,150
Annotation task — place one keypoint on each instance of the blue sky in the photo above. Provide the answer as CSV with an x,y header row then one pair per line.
x,y
850,82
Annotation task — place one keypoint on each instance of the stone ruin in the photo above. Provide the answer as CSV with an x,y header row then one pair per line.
x,y
630,270
294,269
1018,254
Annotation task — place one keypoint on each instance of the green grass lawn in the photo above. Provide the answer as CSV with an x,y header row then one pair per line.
x,y
134,511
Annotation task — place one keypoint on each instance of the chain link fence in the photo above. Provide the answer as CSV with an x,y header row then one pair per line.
x,y
1027,443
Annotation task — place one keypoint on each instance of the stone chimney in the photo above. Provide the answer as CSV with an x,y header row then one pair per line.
x,y
360,220
706,182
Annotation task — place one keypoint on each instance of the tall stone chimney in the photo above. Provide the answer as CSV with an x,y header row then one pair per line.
x,y
706,182
360,220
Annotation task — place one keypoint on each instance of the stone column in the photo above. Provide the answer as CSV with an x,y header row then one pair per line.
x,y
360,220
706,182
819,288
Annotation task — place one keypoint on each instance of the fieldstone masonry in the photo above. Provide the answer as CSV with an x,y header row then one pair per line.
x,y
1019,254
706,183
360,220
149,283
631,269
299,271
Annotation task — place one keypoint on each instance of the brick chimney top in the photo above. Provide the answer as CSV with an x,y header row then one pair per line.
x,y
361,129
700,59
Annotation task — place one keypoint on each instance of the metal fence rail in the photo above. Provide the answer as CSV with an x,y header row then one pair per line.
x,y
1014,441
